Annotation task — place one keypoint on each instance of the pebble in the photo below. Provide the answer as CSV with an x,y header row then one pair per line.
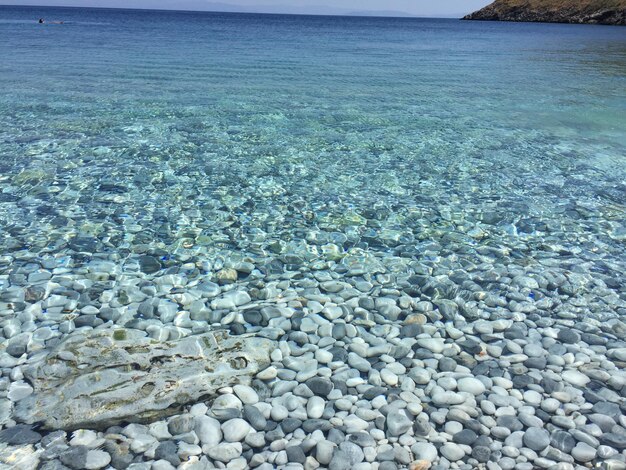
x,y
398,423
354,424
279,413
389,377
225,451
466,437
181,424
464,353
424,451
320,386
74,457
324,451
536,439
235,430
97,459
19,390
246,394
432,344
84,437
315,407
575,378
452,452
583,452
447,398
471,385
19,434
167,450
208,430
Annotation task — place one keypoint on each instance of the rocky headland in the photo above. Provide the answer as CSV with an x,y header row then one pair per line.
x,y
608,12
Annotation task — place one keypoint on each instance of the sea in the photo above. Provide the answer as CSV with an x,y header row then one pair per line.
x,y
395,178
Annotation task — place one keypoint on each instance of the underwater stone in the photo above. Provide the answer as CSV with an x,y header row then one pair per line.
x,y
114,376
149,264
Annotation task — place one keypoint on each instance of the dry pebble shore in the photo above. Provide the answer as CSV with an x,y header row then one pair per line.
x,y
381,363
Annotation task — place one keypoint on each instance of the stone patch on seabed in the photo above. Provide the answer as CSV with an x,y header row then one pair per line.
x,y
102,378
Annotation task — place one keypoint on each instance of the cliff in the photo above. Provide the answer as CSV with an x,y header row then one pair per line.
x,y
611,12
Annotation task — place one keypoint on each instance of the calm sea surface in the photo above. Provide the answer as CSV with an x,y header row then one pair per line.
x,y
465,160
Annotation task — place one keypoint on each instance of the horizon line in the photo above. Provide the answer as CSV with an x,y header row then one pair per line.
x,y
402,15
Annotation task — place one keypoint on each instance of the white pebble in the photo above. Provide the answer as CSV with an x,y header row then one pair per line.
x,y
235,430
19,390
470,385
97,459
246,394
84,437
575,378
433,344
389,377
315,407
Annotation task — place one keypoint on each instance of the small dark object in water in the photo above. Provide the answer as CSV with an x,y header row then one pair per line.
x,y
42,21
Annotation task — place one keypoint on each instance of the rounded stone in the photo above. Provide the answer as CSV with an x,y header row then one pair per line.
x,y
149,264
20,434
434,345
536,439
568,336
452,452
289,425
96,459
295,454
470,385
208,430
467,437
253,416
315,407
424,451
398,423
575,378
583,452
481,453
562,441
279,412
75,457
532,397
181,424
235,430
167,450
246,394
225,452
320,386
447,364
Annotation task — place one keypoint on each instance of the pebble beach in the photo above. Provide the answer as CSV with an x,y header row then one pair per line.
x,y
247,285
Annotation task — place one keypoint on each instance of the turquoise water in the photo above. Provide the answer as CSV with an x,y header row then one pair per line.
x,y
285,124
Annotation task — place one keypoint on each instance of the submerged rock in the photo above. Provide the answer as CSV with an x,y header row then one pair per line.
x,y
102,378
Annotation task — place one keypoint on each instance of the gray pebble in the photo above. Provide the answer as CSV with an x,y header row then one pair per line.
x,y
536,439
19,434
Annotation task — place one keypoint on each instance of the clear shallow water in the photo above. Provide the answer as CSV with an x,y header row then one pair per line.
x,y
189,111
470,153
329,115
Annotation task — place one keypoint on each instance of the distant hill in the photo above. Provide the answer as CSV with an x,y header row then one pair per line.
x,y
388,13
611,12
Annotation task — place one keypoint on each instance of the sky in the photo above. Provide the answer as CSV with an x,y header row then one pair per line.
x,y
426,8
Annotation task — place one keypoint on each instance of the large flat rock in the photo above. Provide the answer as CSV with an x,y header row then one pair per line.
x,y
101,378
